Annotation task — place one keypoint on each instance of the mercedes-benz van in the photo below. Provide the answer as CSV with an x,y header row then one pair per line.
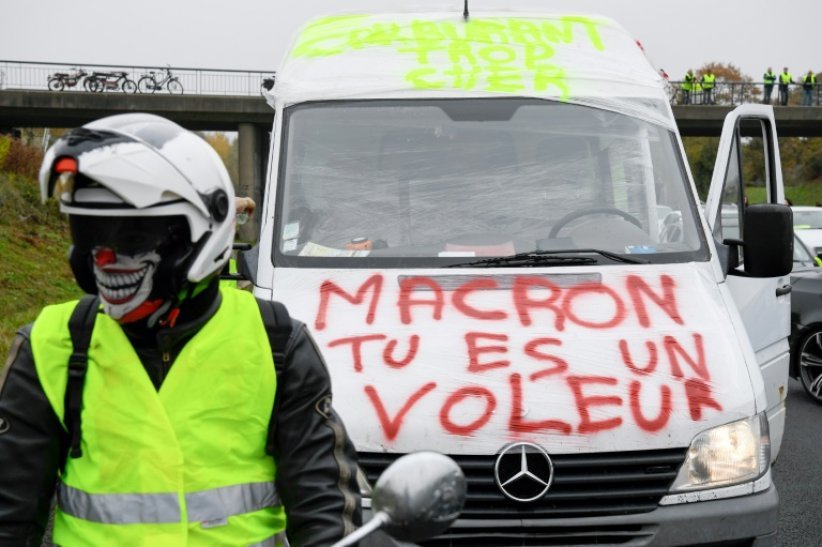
x,y
489,223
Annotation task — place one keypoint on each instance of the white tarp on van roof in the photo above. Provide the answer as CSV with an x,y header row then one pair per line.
x,y
575,58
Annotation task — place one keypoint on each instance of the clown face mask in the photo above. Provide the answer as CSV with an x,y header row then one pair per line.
x,y
136,264
125,283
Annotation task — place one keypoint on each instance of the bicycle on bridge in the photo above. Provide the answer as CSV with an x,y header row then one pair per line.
x,y
59,81
150,82
110,81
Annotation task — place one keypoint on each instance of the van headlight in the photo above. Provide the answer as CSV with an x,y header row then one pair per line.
x,y
729,454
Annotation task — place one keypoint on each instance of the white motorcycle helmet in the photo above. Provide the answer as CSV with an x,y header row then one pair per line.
x,y
151,210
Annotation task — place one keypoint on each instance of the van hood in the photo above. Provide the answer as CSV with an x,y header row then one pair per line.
x,y
576,360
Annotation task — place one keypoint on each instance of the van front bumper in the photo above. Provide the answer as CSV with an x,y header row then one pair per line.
x,y
744,520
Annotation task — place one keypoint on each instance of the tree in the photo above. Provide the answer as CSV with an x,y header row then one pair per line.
x,y
227,150
733,87
701,153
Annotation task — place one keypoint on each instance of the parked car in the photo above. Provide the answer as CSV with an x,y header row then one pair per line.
x,y
807,222
806,320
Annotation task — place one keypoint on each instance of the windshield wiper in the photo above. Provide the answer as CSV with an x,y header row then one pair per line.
x,y
616,257
539,257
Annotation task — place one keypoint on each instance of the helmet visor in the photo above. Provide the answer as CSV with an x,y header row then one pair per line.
x,y
130,235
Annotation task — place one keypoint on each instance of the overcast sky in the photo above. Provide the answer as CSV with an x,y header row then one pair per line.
x,y
254,34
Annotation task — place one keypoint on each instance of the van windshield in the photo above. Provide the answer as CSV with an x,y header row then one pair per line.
x,y
434,183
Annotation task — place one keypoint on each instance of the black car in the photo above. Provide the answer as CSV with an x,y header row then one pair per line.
x,y
806,321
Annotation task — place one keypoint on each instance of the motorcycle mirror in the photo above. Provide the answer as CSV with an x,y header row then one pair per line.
x,y
422,493
417,497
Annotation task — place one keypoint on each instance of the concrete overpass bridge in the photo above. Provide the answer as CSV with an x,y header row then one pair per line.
x,y
35,108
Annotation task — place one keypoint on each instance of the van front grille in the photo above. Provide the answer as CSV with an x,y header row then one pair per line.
x,y
584,485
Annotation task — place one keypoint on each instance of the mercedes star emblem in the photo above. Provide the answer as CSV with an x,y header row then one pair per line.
x,y
523,471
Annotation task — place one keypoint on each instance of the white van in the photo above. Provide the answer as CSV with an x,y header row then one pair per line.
x,y
490,226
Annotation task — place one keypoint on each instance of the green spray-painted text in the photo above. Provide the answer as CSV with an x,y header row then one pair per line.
x,y
505,55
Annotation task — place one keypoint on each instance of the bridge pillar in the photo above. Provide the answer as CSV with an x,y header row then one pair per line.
x,y
250,151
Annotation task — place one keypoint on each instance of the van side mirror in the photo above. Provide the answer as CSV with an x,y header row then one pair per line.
x,y
768,240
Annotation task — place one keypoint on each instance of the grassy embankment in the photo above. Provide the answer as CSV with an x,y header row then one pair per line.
x,y
806,194
34,241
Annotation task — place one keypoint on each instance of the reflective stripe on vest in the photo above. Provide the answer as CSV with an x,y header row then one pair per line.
x,y
224,502
215,504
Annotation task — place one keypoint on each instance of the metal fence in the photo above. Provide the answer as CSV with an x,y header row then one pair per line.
x,y
735,93
111,78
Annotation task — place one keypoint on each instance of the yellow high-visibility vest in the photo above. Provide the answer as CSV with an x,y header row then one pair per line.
x,y
185,465
708,81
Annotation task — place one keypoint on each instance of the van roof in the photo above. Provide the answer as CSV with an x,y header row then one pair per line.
x,y
555,56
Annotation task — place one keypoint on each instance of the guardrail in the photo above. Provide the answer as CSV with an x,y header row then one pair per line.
x,y
735,93
194,81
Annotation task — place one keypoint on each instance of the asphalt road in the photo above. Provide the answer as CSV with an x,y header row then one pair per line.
x,y
798,472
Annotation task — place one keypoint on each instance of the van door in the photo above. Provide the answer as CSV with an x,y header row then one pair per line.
x,y
748,171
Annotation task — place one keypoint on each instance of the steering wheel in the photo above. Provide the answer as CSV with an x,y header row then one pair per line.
x,y
573,215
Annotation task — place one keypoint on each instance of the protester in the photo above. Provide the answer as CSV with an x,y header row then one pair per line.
x,y
785,80
769,78
687,86
167,410
808,87
708,81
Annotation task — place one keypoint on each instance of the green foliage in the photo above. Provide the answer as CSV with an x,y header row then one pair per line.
x,y
801,165
701,153
228,150
5,144
801,159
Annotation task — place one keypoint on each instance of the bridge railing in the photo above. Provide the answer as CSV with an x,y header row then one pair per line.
x,y
199,81
736,93
196,81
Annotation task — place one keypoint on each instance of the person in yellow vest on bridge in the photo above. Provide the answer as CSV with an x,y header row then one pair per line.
x,y
708,82
785,80
808,88
164,410
688,84
769,78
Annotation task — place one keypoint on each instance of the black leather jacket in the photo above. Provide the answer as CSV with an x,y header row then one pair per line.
x,y
316,461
